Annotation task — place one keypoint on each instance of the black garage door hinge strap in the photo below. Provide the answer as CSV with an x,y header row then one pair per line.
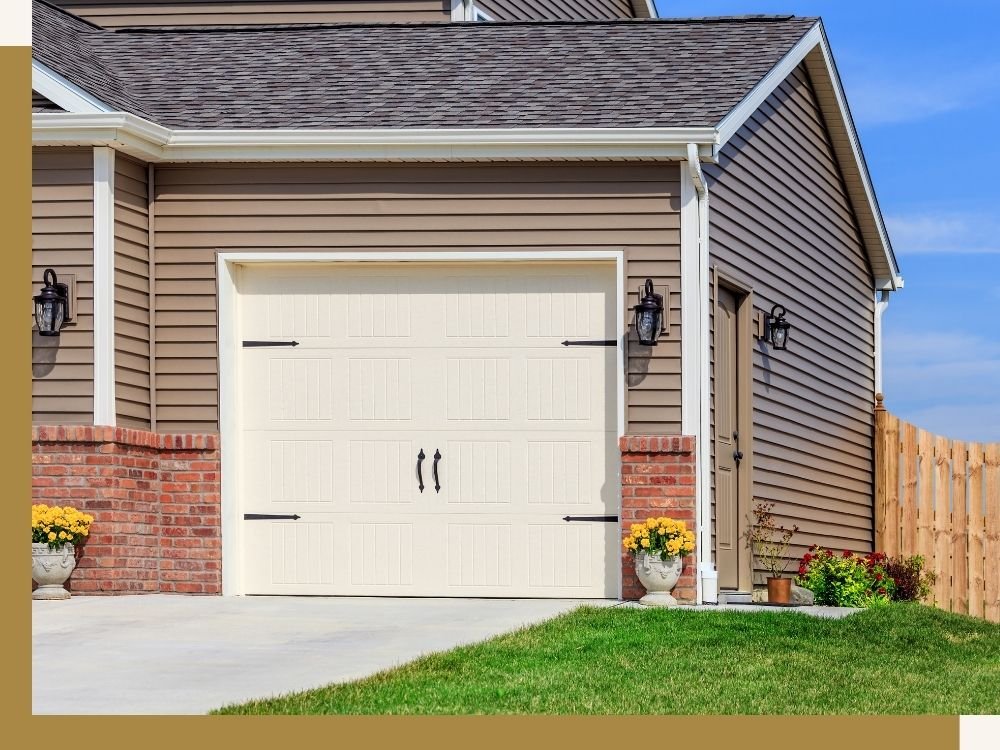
x,y
249,344
271,516
595,519
601,342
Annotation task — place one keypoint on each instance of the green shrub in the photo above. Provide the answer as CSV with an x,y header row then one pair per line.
x,y
846,580
911,583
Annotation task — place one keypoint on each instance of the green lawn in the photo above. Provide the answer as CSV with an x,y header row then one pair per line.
x,y
901,659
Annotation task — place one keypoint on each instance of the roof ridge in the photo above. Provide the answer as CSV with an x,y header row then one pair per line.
x,y
75,18
207,28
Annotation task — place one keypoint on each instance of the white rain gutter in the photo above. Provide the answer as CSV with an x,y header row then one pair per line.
x,y
707,589
880,305
154,143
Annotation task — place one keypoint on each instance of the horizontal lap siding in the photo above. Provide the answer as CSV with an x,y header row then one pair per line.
x,y
120,13
202,209
62,193
781,219
526,10
131,294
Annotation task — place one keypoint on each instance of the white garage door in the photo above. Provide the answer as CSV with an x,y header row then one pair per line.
x,y
453,374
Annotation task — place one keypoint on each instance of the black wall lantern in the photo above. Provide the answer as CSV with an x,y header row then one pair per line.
x,y
649,316
776,328
52,308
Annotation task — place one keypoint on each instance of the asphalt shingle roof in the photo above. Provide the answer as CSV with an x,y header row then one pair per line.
x,y
648,73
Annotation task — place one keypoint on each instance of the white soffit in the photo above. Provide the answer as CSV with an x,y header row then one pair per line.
x,y
814,51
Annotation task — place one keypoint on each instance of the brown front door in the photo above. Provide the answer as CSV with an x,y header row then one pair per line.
x,y
731,554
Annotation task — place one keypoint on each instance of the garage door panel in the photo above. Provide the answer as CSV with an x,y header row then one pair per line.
x,y
463,360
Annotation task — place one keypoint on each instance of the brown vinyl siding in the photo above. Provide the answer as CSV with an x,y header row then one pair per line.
x,y
113,14
302,207
40,104
62,209
132,403
527,10
781,219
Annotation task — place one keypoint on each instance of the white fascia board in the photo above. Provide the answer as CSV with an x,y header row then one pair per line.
x,y
732,122
152,142
104,286
59,91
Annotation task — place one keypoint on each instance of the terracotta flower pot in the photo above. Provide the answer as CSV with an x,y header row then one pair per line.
x,y
779,590
50,569
659,578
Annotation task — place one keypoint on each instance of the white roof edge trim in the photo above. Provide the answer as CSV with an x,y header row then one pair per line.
x,y
652,9
732,122
60,91
153,142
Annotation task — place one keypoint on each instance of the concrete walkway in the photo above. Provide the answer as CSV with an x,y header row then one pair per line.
x,y
163,654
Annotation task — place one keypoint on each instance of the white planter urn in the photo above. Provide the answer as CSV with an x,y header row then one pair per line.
x,y
50,569
659,577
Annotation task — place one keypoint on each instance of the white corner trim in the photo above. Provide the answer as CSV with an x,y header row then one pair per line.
x,y
696,387
228,264
151,142
59,91
104,286
881,303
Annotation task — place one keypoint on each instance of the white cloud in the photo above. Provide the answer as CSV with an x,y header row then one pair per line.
x,y
947,382
880,96
953,232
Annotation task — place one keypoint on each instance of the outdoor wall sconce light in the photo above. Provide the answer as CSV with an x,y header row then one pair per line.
x,y
52,305
649,316
776,328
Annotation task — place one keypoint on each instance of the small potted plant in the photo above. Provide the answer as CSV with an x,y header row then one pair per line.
x,y
768,542
54,531
659,546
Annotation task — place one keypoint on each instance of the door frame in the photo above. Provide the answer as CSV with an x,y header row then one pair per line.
x,y
227,274
742,290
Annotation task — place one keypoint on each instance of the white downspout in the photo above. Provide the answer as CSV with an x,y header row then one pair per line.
x,y
880,305
707,579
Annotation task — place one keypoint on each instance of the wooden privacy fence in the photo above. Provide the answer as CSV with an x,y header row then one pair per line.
x,y
940,498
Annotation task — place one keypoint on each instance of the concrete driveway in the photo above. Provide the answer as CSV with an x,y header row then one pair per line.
x,y
168,654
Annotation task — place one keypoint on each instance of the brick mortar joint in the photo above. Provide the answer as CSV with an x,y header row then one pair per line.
x,y
124,436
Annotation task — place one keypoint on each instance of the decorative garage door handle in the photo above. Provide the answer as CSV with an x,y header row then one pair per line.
x,y
420,476
434,470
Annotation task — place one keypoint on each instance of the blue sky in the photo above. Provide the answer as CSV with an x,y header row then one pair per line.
x,y
923,82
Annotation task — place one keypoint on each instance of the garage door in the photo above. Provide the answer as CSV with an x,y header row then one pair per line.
x,y
429,432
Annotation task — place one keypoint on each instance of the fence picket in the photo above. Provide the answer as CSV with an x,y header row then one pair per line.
x,y
992,545
908,533
959,540
942,522
925,514
977,529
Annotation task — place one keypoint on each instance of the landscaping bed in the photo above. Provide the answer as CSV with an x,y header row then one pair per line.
x,y
893,659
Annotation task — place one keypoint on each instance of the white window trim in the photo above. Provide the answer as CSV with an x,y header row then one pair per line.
x,y
228,265
104,286
480,15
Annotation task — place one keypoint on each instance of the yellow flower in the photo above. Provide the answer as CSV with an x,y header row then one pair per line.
x,y
645,542
62,534
52,536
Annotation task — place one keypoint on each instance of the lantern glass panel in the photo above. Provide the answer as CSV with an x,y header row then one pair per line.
x,y
780,337
647,326
49,315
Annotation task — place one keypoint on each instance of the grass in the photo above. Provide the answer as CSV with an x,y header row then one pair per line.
x,y
900,659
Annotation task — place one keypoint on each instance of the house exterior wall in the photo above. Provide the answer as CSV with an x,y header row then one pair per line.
x,y
526,10
132,294
115,14
201,210
781,220
62,198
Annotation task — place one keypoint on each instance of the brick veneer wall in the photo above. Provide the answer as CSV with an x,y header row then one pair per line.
x,y
658,479
156,504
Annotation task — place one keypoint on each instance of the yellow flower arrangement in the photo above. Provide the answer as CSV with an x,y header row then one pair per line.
x,y
666,537
58,526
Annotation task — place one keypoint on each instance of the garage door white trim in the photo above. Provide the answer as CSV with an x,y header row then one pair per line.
x,y
232,583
